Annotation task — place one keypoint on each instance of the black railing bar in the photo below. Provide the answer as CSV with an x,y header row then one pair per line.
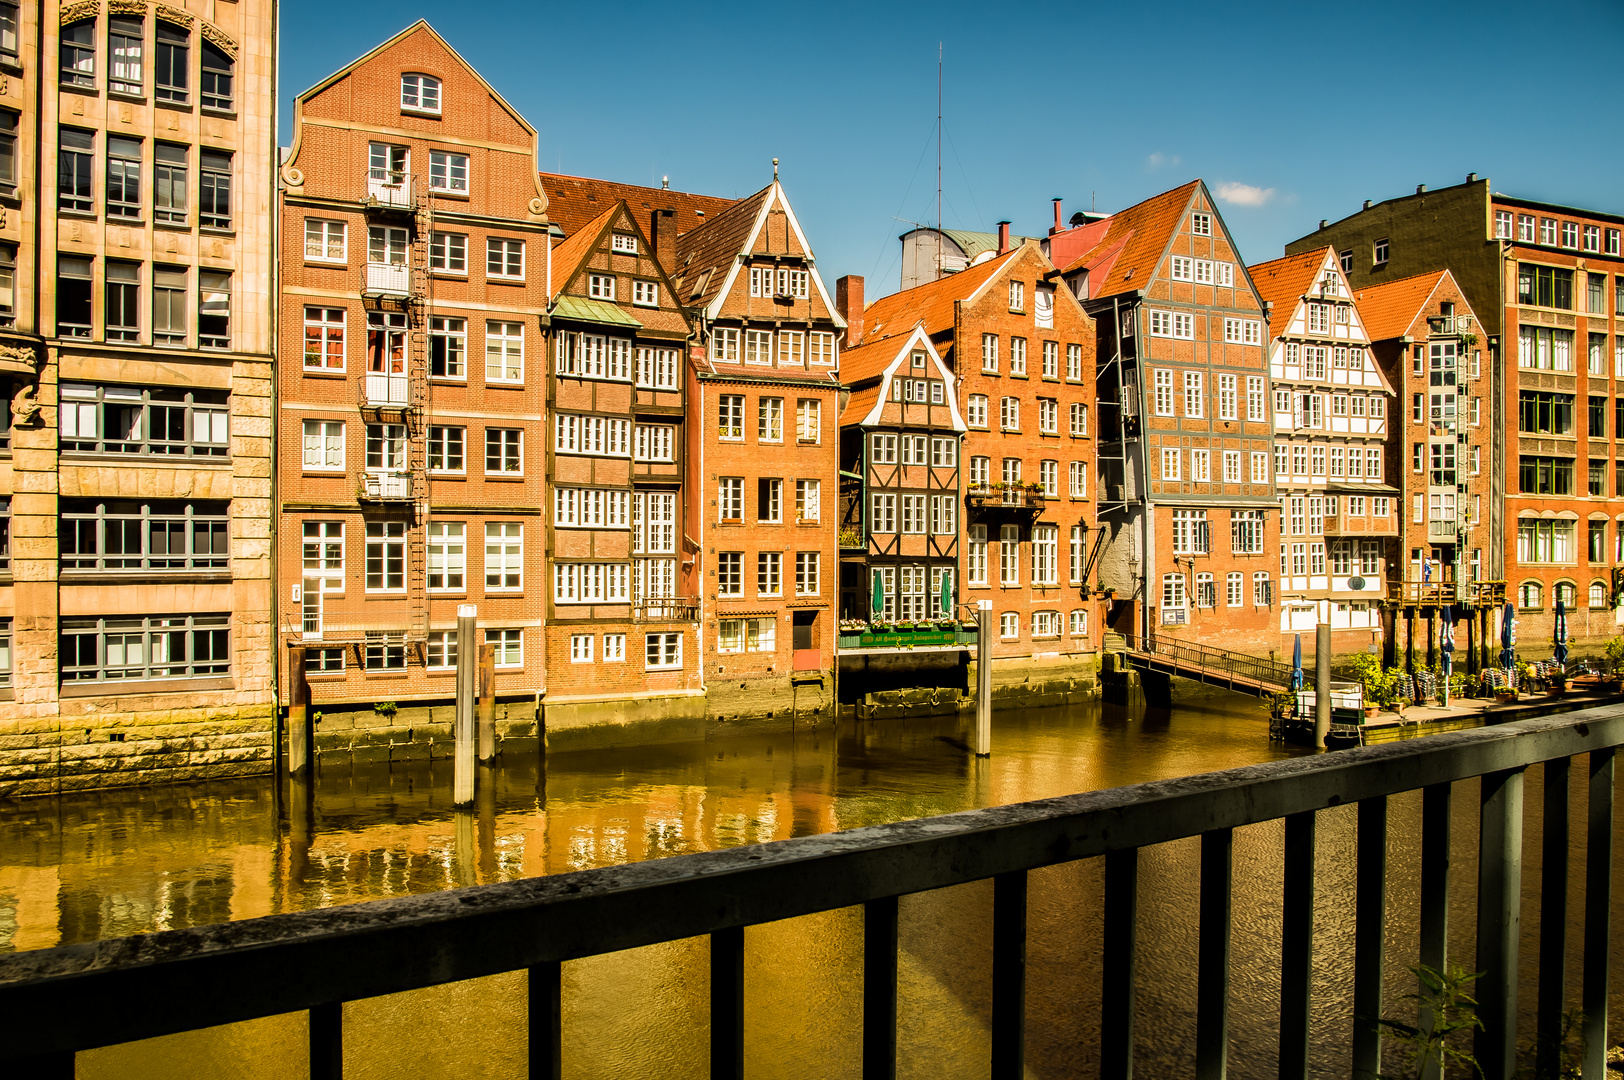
x,y
1217,895
1117,955
1297,946
880,989
1369,918
1499,911
1598,913
83,996
1434,935
1553,933
727,1003
1009,976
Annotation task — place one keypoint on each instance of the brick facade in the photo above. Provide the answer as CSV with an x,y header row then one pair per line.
x,y
412,437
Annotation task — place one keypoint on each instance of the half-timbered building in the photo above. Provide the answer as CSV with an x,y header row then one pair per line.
x,y
618,628
1330,405
900,432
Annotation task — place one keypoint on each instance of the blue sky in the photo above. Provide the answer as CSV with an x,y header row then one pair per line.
x,y
1291,113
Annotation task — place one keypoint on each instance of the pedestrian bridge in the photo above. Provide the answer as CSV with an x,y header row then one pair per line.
x,y
1256,675
56,1003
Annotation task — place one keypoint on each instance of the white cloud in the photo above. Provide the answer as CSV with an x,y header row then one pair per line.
x,y
1158,159
1244,194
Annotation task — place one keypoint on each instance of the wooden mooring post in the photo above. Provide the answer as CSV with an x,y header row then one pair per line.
x,y
983,678
462,755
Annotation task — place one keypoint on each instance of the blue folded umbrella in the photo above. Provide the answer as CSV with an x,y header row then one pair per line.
x,y
1508,636
1560,653
1297,664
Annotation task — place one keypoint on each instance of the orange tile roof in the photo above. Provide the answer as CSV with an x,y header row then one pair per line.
x,y
1283,282
1132,247
1389,310
568,256
573,201
868,361
931,303
859,404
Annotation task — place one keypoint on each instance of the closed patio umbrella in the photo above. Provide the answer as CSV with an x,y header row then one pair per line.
x,y
1297,664
1446,644
1560,634
1508,637
876,605
947,596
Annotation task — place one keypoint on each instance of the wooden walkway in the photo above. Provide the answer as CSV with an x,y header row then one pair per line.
x,y
1254,675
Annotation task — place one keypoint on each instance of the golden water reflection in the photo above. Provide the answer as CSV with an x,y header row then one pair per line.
x,y
89,867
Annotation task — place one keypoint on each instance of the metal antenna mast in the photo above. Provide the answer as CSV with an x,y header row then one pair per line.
x,y
938,159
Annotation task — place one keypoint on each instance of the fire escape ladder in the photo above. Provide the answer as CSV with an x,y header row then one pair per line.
x,y
417,383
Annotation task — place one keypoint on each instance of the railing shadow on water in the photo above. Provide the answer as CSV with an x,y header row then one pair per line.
x,y
56,1002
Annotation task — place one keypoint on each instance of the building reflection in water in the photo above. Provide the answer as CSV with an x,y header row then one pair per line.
x,y
95,866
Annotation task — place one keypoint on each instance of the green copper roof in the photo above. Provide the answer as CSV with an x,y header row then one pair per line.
x,y
598,311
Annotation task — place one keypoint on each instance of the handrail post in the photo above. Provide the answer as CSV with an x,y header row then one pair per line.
x,y
880,989
1435,825
1009,976
1598,911
727,1003
1297,946
1369,914
1499,914
1212,973
1553,923
1117,964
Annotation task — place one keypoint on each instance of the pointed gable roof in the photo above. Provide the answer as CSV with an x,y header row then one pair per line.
x,y
569,255
1282,283
1133,245
574,201
929,306
1390,309
715,247
878,362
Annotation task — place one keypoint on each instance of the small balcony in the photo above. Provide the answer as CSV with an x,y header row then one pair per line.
x,y
390,190
387,279
665,609
1354,526
385,390
1013,496
386,485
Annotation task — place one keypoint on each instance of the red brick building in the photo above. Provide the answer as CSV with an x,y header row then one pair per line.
x,y
412,390
1332,410
1022,356
1187,434
1546,282
619,630
764,450
1428,341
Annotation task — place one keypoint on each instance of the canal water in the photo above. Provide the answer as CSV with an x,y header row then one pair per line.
x,y
89,867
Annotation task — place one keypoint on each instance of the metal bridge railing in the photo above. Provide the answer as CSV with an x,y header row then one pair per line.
x,y
1261,669
54,1002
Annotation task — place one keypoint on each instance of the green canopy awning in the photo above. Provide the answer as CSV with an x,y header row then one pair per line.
x,y
582,309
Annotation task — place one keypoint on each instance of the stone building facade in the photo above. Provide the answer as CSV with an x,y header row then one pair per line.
x,y
416,257
136,268
1332,411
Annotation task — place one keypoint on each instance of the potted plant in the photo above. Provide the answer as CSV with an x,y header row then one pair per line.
x,y
1525,675
1399,688
1378,688
1557,681
1613,651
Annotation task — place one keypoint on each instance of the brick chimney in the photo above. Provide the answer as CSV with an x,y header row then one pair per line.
x,y
1003,237
1057,226
849,303
662,234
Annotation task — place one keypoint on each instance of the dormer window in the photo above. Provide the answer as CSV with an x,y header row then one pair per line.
x,y
1201,224
623,243
420,94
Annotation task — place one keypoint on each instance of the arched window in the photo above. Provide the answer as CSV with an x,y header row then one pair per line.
x,y
1566,594
1598,594
420,93
79,53
1529,596
218,71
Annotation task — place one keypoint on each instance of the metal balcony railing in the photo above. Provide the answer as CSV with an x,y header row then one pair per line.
x,y
1269,675
387,279
386,485
390,189
57,1002
386,389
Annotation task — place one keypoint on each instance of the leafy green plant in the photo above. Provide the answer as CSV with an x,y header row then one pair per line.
x,y
1614,653
1446,1010
386,709
1378,684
